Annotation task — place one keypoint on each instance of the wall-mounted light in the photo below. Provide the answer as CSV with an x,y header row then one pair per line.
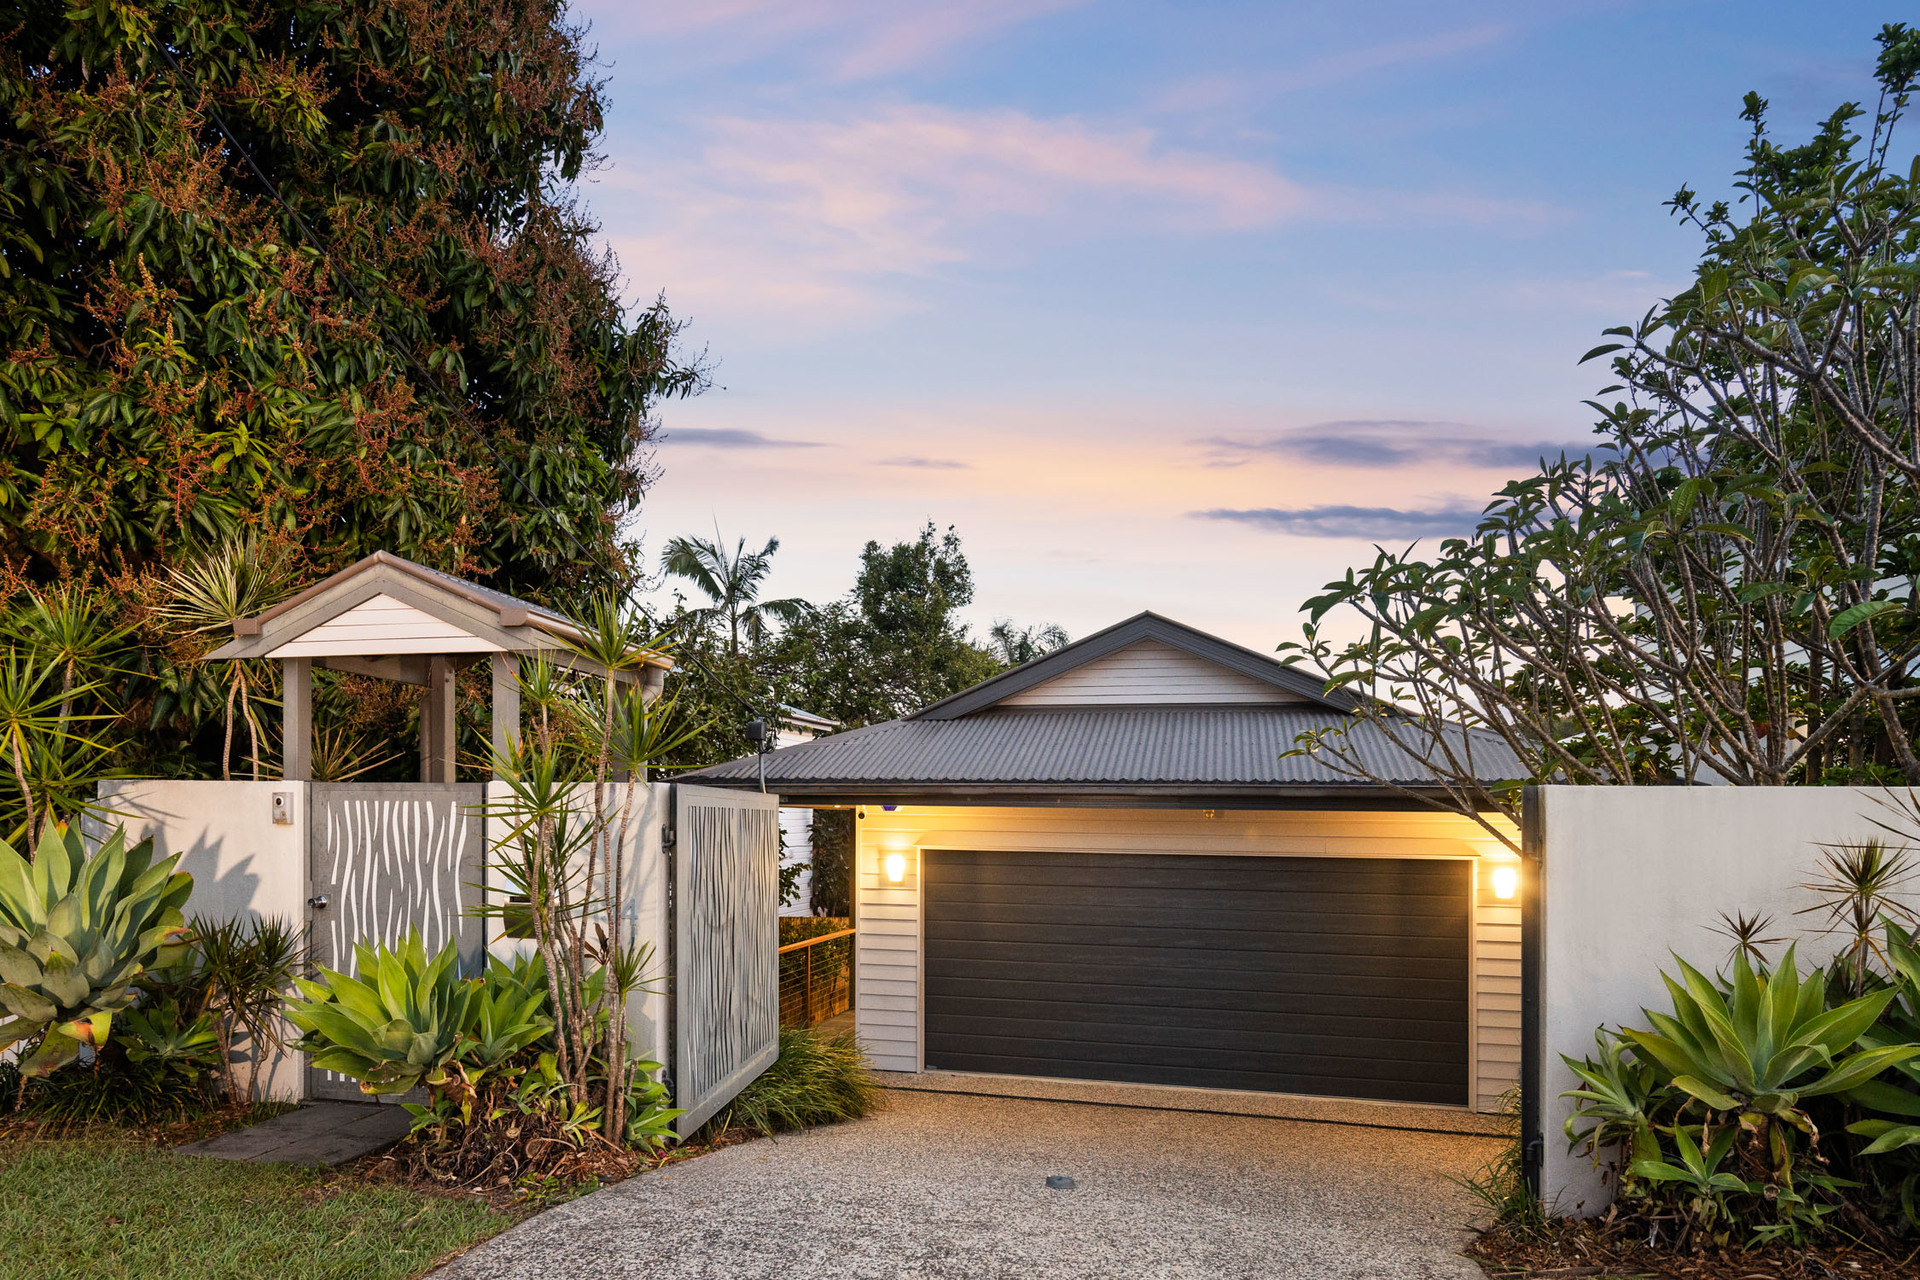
x,y
1506,881
899,868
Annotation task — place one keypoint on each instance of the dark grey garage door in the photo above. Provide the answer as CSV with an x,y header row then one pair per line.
x,y
1338,976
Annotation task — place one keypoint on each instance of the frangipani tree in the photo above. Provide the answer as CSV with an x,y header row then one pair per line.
x,y
1723,590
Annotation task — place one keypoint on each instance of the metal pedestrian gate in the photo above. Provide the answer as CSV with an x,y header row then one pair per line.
x,y
384,858
726,937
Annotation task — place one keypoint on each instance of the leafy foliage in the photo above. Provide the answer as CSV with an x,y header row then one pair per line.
x,y
497,1103
1724,588
312,267
817,1079
832,883
309,279
76,932
1715,1114
398,1025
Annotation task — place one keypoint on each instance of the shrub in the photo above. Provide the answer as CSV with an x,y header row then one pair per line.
x,y
239,972
1710,1107
497,1106
800,928
76,933
817,1079
158,1068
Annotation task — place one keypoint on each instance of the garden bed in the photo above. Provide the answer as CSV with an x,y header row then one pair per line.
x,y
1614,1250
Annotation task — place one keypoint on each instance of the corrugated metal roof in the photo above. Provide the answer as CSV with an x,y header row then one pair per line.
x,y
1162,746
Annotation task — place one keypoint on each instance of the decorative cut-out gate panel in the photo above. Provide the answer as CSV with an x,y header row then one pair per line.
x,y
385,858
726,962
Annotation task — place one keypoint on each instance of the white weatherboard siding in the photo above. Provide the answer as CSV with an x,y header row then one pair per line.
x,y
1149,673
383,626
888,918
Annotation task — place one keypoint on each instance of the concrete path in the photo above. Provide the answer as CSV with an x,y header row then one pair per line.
x,y
320,1133
953,1187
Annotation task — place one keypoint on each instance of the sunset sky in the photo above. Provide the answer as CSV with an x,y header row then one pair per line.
x,y
1168,306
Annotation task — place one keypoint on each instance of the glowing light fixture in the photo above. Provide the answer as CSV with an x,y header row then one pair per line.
x,y
896,865
1506,880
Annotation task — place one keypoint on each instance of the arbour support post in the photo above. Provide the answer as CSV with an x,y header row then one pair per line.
x,y
296,719
437,731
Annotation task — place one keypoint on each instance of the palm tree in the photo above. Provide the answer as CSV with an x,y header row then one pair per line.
x,y
1015,645
235,579
732,582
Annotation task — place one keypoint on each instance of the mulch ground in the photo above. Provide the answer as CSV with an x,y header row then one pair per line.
x,y
592,1171
1614,1250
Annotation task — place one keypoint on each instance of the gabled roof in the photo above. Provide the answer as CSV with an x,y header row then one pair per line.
x,y
468,616
978,747
1222,757
1142,626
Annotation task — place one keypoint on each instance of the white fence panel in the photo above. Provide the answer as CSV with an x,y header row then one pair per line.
x,y
726,963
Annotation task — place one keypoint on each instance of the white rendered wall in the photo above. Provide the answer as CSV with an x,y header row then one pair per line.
x,y
1630,874
241,861
887,917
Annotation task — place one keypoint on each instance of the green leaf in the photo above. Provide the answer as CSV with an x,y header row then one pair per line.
x,y
1847,619
1715,1098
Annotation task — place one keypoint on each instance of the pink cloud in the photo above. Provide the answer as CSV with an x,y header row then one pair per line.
x,y
850,39
824,219
913,163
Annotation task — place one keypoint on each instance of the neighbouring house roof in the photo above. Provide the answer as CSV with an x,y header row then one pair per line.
x,y
1003,740
382,614
792,717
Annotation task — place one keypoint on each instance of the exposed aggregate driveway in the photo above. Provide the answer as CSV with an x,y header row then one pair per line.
x,y
953,1187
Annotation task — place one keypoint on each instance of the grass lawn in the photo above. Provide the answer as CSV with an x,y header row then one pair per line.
x,y
119,1207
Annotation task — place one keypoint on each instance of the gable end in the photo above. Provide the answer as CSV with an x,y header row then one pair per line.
x,y
1151,673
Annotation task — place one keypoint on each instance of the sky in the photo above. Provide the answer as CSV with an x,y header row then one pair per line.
x,y
1181,307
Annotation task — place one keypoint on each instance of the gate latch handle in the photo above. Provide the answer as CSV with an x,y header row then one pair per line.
x,y
318,902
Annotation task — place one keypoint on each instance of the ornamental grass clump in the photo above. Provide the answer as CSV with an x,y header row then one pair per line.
x,y
817,1079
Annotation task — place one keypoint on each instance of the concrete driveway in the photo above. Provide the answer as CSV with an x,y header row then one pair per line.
x,y
953,1187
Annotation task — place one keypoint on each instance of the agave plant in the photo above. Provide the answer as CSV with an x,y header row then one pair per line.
x,y
75,932
394,1027
1614,1105
1899,1024
1760,1047
409,1019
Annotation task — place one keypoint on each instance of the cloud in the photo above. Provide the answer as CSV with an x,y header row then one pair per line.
x,y
929,464
1369,523
828,221
1374,444
733,438
916,168
848,39
1212,92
